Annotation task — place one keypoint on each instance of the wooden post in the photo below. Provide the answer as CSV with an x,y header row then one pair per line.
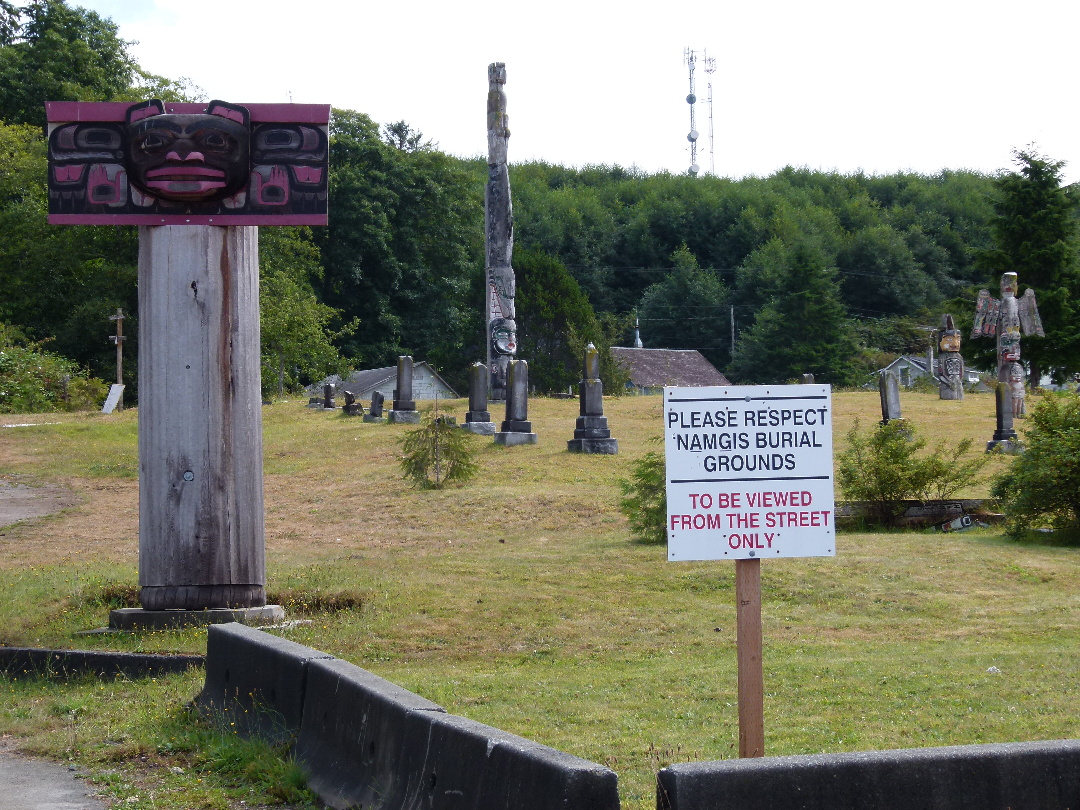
x,y
118,339
201,537
751,680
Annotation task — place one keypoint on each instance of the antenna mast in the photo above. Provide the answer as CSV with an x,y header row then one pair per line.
x,y
690,58
710,68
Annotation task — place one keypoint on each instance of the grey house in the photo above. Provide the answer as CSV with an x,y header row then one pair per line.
x,y
652,369
909,368
426,383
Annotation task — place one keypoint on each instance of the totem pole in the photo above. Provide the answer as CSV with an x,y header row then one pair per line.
x,y
499,238
198,180
949,367
1005,319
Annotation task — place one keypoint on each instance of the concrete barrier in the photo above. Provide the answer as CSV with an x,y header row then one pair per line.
x,y
357,732
258,680
32,662
367,742
1044,775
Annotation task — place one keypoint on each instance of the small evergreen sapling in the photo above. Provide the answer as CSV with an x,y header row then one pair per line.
x,y
644,500
438,453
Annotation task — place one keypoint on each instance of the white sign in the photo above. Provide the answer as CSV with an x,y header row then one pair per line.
x,y
749,472
115,392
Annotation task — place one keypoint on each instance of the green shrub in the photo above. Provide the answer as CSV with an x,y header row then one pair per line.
x,y
34,380
437,453
644,499
1042,485
885,469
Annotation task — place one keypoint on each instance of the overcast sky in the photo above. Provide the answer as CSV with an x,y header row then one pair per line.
x,y
878,86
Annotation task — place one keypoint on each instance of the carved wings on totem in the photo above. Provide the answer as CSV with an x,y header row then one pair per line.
x,y
988,308
986,315
1030,321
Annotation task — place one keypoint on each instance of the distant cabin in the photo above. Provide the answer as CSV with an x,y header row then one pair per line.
x,y
652,369
426,383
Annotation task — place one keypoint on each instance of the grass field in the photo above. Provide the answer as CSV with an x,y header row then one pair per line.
x,y
520,601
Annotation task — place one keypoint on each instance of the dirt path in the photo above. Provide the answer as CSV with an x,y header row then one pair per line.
x,y
20,501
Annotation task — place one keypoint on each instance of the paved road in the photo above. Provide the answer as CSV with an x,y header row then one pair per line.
x,y
29,785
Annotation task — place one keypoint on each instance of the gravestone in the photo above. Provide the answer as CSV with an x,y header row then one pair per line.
x,y
328,397
516,428
352,407
889,388
404,411
478,418
807,379
591,434
950,364
374,413
1005,319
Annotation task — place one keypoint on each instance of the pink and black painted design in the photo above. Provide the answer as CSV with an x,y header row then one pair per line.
x,y
163,164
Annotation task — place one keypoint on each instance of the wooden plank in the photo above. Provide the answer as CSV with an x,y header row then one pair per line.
x,y
201,535
751,678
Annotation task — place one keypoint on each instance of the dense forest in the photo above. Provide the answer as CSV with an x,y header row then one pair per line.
x,y
806,271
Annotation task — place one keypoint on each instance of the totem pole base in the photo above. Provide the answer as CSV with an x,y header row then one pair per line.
x,y
134,620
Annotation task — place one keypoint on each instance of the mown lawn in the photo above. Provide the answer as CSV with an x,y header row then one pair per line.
x,y
520,601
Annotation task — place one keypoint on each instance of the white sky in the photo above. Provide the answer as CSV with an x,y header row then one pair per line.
x,y
835,84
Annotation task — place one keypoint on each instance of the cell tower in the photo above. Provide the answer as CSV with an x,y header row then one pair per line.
x,y
710,68
690,58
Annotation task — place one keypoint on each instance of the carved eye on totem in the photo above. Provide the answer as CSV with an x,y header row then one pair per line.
x,y
154,141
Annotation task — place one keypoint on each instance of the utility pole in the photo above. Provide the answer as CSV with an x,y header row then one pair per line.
x,y
118,339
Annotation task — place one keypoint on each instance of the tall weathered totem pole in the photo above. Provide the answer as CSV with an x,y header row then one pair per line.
x,y
1005,319
499,238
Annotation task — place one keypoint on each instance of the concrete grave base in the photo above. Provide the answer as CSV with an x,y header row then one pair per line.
x,y
480,428
514,439
375,419
1009,447
404,417
137,619
607,447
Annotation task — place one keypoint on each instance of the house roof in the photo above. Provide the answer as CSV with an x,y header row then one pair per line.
x,y
360,382
655,368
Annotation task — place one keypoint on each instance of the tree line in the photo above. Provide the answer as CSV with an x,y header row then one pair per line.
x,y
770,277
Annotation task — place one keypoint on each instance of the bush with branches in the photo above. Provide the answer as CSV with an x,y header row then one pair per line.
x,y
885,468
644,500
1042,485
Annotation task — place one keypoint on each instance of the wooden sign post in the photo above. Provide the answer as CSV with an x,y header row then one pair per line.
x,y
118,339
749,476
748,650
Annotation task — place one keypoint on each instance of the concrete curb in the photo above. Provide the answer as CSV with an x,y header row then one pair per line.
x,y
1045,775
367,742
31,662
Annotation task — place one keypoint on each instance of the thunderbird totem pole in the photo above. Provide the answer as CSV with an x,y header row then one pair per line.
x,y
1005,319
499,238
197,179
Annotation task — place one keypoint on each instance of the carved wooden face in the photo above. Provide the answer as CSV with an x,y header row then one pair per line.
x,y
189,157
950,342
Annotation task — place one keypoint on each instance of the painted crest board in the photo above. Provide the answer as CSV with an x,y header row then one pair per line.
x,y
155,163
